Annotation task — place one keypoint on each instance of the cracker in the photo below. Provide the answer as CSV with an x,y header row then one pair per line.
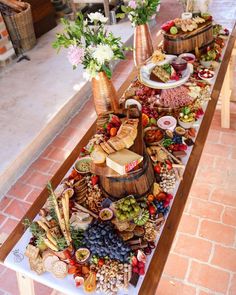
x,y
32,251
48,262
59,269
37,265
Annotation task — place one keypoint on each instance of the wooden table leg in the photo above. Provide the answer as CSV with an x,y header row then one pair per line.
x,y
225,100
107,10
25,284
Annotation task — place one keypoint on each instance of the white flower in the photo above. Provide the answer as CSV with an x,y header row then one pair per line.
x,y
102,53
97,16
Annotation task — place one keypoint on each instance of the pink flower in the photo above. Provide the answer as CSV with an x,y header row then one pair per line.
x,y
132,4
75,55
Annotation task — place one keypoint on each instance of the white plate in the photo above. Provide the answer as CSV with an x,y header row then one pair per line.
x,y
145,71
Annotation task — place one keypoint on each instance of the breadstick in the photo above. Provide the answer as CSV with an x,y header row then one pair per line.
x,y
66,217
43,225
58,213
47,230
169,154
86,210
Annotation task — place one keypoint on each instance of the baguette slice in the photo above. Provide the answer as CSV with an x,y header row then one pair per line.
x,y
116,143
107,148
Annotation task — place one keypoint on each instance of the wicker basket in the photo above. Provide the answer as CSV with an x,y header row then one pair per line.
x,y
20,26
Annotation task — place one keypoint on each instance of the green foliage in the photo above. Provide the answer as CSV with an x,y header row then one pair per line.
x,y
35,230
77,237
142,13
61,243
87,37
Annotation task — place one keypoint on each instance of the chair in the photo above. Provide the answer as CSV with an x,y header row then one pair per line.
x,y
75,3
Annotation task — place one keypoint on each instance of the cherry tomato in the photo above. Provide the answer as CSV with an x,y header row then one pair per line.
x,y
101,262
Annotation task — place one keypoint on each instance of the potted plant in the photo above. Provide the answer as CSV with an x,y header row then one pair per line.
x,y
139,13
94,48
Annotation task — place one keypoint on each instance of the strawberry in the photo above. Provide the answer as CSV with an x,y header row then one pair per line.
x,y
109,126
114,120
168,164
169,197
135,269
157,168
166,203
101,262
67,254
72,262
141,264
182,147
141,271
94,179
166,26
134,261
152,210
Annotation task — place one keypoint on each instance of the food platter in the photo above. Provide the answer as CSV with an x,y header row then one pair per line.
x,y
145,72
168,156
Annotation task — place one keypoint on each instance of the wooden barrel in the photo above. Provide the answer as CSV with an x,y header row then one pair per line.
x,y
137,183
187,42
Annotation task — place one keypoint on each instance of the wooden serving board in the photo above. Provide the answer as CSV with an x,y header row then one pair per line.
x,y
137,147
186,35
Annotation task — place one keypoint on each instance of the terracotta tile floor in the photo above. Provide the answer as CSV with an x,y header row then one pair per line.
x,y
203,256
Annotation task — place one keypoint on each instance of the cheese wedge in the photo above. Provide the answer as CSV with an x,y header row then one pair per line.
x,y
123,161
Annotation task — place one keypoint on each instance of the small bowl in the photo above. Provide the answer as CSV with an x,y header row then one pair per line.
x,y
167,123
188,57
179,64
80,162
180,130
186,125
207,79
206,64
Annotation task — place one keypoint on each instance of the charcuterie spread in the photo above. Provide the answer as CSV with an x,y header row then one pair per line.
x,y
102,239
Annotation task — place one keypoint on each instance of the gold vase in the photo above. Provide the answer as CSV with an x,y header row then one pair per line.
x,y
104,94
143,47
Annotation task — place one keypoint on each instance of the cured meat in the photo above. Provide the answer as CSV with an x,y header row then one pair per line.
x,y
175,97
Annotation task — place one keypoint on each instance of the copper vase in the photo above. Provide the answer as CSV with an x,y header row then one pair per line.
x,y
143,47
104,94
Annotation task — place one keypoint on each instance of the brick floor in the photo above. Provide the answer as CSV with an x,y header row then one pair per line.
x,y
203,257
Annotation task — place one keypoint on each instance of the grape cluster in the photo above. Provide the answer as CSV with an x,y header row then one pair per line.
x,y
177,139
101,239
161,208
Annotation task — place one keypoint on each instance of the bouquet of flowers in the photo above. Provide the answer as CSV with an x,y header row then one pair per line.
x,y
90,45
139,11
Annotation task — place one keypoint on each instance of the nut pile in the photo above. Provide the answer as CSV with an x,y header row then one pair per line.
x,y
113,276
168,179
94,196
150,231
